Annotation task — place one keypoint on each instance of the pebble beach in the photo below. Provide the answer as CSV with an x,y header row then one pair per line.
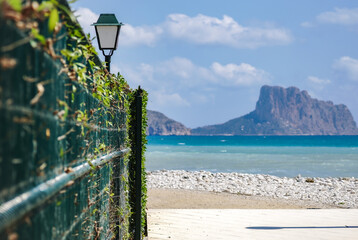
x,y
323,192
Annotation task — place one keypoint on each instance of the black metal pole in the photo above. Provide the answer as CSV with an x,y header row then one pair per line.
x,y
138,167
108,63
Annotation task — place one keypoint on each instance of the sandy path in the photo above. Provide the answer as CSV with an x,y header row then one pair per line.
x,y
183,199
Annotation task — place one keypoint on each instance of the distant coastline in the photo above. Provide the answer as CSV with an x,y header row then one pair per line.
x,y
279,111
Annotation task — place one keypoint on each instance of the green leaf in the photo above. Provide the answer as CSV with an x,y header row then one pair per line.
x,y
94,211
33,43
62,153
67,11
80,65
53,19
38,36
91,165
15,4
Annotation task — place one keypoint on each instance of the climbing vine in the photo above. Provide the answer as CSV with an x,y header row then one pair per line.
x,y
131,123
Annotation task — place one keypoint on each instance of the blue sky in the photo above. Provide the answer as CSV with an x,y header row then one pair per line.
x,y
203,62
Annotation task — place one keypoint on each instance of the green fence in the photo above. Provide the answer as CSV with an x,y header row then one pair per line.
x,y
63,171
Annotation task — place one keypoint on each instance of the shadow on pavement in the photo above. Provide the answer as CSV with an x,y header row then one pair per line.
x,y
278,228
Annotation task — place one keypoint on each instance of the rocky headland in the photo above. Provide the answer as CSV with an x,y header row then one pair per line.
x,y
159,124
287,111
279,111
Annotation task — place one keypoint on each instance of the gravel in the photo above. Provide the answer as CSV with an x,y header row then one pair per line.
x,y
335,192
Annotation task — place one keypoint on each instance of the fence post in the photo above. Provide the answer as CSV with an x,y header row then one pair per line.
x,y
138,166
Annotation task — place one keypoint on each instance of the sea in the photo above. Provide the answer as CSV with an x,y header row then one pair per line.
x,y
283,156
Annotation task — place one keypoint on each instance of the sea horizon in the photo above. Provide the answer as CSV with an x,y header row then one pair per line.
x,y
283,156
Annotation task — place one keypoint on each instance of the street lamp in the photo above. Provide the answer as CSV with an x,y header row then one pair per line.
x,y
107,31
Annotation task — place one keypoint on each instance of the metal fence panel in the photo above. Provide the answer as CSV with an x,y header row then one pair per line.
x,y
47,188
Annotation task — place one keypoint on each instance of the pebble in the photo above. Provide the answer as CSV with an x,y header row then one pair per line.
x,y
335,192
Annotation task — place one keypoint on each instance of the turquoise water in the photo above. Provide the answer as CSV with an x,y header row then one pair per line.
x,y
314,156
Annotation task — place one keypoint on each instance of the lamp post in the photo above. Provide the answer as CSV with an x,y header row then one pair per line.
x,y
107,31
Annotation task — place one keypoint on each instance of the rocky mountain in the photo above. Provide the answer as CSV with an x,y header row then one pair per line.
x,y
287,111
159,124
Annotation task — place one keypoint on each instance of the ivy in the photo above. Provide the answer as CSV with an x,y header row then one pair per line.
x,y
15,4
53,20
131,126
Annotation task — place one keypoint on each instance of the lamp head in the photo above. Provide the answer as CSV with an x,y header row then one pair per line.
x,y
107,31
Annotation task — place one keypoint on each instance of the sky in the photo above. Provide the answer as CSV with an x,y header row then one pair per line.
x,y
204,62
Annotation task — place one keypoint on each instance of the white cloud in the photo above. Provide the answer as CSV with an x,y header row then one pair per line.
x,y
86,17
317,80
131,36
180,83
141,74
203,29
343,16
348,66
307,24
236,75
317,83
200,29
180,74
181,67
160,99
184,72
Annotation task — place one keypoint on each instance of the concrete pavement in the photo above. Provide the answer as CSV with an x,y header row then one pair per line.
x,y
195,224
